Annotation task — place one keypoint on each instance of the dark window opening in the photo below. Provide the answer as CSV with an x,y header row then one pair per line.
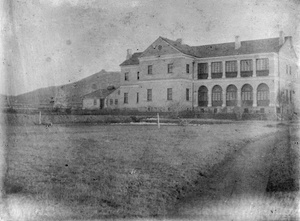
x,y
169,94
202,97
216,70
202,71
149,94
187,68
217,96
262,67
149,69
125,98
170,68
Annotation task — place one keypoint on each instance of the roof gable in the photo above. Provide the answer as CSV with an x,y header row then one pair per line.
x,y
160,47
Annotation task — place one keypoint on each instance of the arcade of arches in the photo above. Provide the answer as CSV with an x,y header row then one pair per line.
x,y
245,98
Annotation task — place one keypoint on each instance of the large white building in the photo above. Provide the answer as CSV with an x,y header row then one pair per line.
x,y
249,76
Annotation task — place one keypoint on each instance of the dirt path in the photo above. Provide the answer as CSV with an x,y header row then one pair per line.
x,y
234,188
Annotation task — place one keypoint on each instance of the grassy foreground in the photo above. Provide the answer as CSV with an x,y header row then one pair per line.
x,y
113,170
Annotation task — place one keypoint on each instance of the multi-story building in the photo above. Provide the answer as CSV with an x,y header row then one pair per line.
x,y
251,76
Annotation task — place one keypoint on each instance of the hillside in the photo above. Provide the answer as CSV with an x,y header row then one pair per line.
x,y
70,94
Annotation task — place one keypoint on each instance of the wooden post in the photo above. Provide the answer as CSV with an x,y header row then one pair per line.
x,y
158,124
40,117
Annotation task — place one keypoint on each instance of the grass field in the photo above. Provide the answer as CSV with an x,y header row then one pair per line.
x,y
100,171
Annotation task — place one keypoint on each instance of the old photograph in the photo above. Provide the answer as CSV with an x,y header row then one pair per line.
x,y
149,110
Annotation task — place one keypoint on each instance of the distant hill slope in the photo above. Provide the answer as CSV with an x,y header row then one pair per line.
x,y
69,94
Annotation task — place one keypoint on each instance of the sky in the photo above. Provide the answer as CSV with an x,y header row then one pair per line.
x,y
54,42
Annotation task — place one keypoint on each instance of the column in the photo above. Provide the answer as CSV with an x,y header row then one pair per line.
x,y
223,69
239,99
224,97
254,67
238,68
209,70
254,93
209,97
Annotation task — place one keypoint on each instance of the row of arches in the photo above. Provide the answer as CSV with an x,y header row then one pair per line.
x,y
262,95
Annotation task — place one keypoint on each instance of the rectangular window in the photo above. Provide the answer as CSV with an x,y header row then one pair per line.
x,y
262,64
125,98
126,76
137,97
231,66
187,68
170,68
287,69
111,101
149,69
116,101
169,94
138,75
95,102
290,70
216,67
246,65
187,94
149,94
203,68
262,67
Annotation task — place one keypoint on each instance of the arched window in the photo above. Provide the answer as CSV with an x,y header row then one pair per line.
x,y
202,97
231,95
247,95
216,96
263,95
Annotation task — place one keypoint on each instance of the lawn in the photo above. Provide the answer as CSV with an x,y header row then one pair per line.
x,y
98,171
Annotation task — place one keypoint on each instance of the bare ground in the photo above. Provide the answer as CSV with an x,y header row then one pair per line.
x,y
259,182
89,172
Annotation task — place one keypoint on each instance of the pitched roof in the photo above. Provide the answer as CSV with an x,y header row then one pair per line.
x,y
227,49
101,93
133,60
217,50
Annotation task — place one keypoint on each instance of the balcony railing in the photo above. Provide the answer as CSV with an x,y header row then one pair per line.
x,y
216,75
245,74
202,76
231,74
262,73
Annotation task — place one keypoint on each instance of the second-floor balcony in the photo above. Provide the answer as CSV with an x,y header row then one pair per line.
x,y
260,73
246,73
216,75
203,76
231,74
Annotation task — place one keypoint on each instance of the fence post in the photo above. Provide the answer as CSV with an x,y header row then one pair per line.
x,y
158,124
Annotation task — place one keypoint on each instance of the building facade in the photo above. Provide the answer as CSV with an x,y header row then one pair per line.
x,y
249,76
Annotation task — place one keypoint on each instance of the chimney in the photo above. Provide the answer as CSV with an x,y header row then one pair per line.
x,y
129,54
179,40
287,38
281,38
237,42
